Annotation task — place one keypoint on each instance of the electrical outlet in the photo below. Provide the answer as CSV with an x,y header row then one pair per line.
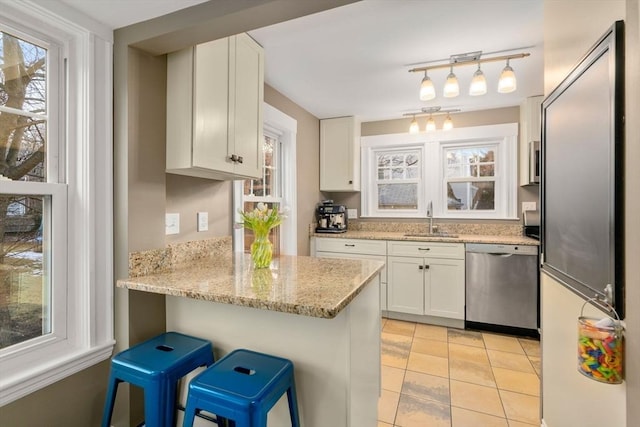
x,y
528,206
352,213
203,221
172,223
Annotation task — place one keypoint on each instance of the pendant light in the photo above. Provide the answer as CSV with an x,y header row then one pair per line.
x,y
451,87
507,82
448,123
427,90
413,127
478,83
431,124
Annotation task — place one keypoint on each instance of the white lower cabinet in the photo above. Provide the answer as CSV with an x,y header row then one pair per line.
x,y
430,285
419,278
355,249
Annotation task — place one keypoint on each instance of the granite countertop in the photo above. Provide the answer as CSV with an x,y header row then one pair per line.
x,y
460,238
317,287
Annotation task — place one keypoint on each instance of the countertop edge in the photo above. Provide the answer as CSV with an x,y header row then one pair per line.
x,y
318,311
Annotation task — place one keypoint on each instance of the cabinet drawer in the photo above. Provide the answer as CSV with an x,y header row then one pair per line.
x,y
381,258
352,246
426,249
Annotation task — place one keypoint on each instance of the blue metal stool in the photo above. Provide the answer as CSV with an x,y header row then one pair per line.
x,y
243,386
156,366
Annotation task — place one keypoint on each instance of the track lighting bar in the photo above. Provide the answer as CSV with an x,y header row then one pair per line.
x,y
453,63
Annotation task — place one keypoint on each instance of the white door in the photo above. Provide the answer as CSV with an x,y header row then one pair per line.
x,y
405,285
444,288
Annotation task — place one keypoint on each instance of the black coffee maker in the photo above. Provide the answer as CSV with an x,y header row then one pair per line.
x,y
331,218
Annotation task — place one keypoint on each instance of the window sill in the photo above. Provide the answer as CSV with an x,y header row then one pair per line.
x,y
24,382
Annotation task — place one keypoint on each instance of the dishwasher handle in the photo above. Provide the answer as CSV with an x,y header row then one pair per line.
x,y
500,254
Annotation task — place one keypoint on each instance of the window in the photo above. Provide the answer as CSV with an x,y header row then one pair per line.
x,y
276,187
465,173
55,280
267,189
470,177
398,179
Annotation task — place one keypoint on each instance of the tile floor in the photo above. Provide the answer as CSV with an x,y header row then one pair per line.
x,y
434,376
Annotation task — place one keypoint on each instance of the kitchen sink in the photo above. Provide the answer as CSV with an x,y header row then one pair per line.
x,y
436,234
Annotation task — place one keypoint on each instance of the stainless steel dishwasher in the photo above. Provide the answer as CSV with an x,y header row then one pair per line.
x,y
502,288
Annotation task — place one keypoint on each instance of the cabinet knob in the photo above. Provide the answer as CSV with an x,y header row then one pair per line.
x,y
233,158
426,267
350,182
240,159
420,267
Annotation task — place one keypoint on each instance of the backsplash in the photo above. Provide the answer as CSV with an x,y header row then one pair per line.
x,y
421,227
161,260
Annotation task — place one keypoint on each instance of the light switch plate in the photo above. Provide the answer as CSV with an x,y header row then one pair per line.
x,y
203,221
172,223
528,206
352,213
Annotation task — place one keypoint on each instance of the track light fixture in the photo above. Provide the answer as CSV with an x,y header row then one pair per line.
x,y
427,90
478,83
478,86
507,82
414,127
451,86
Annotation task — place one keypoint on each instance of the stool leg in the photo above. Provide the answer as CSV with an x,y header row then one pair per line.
x,y
110,401
189,412
170,405
154,406
293,405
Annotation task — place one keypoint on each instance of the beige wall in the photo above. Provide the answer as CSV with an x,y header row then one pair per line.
x,y
570,29
474,118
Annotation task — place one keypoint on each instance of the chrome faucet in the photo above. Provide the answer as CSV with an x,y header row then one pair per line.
x,y
430,216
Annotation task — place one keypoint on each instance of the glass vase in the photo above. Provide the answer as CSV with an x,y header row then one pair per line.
x,y
261,250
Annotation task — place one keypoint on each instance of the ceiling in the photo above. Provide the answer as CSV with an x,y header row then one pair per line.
x,y
354,60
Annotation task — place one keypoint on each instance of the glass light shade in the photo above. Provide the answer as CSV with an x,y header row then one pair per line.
x,y
448,123
451,87
413,127
507,82
431,125
427,90
478,84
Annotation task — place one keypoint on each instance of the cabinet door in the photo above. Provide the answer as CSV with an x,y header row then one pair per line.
x,y
210,106
245,110
339,154
444,288
405,285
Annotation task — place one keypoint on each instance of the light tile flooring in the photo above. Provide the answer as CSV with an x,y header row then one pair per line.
x,y
434,376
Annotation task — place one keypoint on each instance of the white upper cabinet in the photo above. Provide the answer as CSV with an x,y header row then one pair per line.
x,y
340,154
530,133
215,92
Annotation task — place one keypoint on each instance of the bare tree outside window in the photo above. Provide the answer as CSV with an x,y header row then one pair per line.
x,y
24,293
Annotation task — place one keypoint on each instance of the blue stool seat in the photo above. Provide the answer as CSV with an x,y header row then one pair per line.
x,y
156,366
243,386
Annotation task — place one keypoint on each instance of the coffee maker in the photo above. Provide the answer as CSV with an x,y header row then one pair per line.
x,y
331,218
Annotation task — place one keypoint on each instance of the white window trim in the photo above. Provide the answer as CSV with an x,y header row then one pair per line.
x,y
288,128
87,164
434,142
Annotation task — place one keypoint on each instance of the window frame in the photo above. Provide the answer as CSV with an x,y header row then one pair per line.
x,y
276,123
82,195
434,169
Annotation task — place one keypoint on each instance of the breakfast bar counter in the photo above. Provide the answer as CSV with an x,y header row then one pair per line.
x,y
322,314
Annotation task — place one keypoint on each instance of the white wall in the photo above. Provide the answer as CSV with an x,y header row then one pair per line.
x,y
568,398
